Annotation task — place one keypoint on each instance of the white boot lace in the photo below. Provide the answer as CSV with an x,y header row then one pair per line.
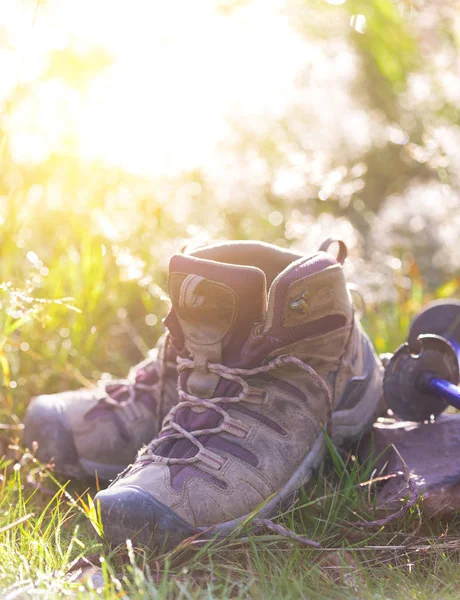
x,y
172,430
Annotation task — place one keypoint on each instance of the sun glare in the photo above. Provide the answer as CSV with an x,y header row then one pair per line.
x,y
178,71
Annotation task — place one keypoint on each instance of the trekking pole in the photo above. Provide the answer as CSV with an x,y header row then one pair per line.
x,y
421,378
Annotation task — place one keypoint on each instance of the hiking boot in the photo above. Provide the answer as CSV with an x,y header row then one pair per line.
x,y
261,379
100,430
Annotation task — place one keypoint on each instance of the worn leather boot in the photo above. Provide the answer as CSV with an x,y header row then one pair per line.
x,y
262,378
100,430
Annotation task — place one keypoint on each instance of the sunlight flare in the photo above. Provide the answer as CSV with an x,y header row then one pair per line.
x,y
179,71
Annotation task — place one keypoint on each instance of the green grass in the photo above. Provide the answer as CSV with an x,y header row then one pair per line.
x,y
76,307
49,529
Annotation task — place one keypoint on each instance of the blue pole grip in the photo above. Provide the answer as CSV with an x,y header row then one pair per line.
x,y
442,388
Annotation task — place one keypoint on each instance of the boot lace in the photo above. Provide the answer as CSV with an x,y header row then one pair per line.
x,y
131,386
172,430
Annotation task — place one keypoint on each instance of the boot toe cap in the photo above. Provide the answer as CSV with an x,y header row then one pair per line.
x,y
129,512
46,424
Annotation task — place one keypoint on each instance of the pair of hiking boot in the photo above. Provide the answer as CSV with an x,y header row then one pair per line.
x,y
263,357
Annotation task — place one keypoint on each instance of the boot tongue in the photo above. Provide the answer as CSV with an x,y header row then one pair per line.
x,y
216,305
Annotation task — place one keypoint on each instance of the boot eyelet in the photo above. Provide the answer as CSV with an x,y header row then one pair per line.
x,y
257,330
300,303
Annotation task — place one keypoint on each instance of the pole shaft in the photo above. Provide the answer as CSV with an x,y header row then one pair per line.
x,y
443,389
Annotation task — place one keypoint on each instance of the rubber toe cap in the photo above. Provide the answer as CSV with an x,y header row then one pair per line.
x,y
129,512
46,424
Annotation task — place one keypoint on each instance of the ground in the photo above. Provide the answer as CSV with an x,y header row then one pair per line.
x,y
47,530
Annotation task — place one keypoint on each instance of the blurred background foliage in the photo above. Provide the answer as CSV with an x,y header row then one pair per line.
x,y
128,130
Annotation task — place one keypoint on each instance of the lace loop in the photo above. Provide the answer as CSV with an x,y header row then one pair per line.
x,y
172,430
131,384
132,388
